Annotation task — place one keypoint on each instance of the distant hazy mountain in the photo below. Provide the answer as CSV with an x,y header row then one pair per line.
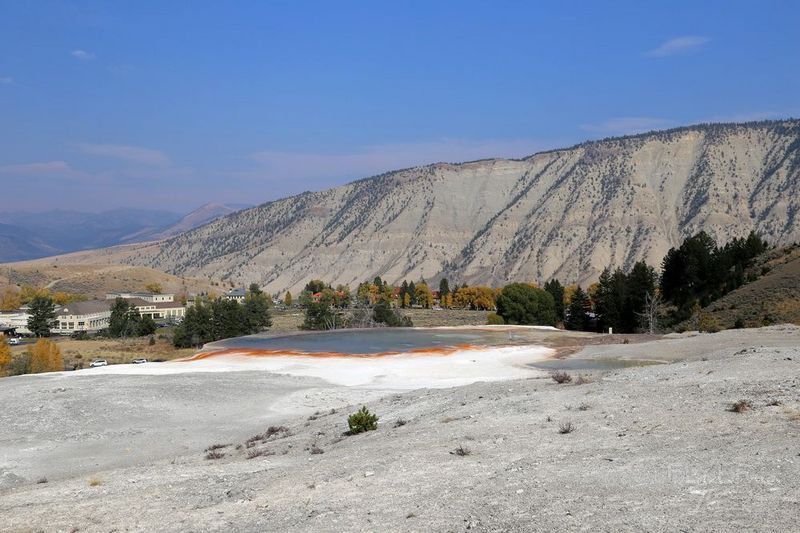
x,y
202,215
564,213
28,235
17,243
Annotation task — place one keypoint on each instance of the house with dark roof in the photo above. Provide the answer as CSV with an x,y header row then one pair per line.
x,y
90,316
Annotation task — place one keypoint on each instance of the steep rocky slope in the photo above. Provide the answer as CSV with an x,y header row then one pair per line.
x,y
564,213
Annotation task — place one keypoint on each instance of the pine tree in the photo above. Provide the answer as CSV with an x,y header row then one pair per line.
x,y
256,311
577,319
556,290
43,315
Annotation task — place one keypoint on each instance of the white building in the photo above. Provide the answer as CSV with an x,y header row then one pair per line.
x,y
17,320
146,296
90,316
160,310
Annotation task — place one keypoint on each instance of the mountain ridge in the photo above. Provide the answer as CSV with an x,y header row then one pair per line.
x,y
563,213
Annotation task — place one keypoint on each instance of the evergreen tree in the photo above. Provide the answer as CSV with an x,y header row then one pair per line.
x,y
146,326
42,316
576,317
444,288
256,311
520,303
556,290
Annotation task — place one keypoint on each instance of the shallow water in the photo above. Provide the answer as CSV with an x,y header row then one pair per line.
x,y
371,341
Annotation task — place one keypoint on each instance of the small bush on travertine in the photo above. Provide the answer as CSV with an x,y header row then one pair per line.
x,y
214,455
362,421
741,406
216,447
257,452
561,377
566,427
400,422
461,451
95,481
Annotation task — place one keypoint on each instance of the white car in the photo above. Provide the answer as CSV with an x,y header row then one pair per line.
x,y
98,362
14,341
139,361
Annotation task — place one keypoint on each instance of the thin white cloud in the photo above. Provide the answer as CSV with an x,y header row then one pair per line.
x,y
132,154
6,80
45,168
627,125
678,45
82,55
375,159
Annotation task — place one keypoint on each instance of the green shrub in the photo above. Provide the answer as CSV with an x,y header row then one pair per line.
x,y
739,323
707,324
362,421
493,319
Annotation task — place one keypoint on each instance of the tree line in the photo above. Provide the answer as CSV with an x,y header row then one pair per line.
x,y
209,320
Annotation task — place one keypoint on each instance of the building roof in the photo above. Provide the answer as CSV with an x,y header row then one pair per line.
x,y
138,302
84,308
236,293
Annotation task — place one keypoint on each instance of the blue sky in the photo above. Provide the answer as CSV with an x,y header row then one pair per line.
x,y
173,104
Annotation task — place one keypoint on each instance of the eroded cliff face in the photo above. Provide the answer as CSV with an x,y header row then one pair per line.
x,y
565,213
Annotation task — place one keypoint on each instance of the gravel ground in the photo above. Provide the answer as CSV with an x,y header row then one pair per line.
x,y
652,448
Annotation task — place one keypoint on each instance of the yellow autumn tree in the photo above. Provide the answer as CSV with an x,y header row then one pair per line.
x,y
288,299
46,357
5,357
28,293
154,287
9,299
424,295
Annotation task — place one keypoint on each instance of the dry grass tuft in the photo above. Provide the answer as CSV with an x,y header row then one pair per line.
x,y
216,447
95,481
461,451
566,427
561,377
278,432
258,452
741,406
316,450
214,455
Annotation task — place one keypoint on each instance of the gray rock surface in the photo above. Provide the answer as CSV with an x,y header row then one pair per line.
x,y
654,448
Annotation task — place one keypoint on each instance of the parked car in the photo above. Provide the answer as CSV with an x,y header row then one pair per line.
x,y
139,361
13,341
98,362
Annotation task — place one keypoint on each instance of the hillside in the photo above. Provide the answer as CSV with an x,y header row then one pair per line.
x,y
564,213
773,298
94,280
